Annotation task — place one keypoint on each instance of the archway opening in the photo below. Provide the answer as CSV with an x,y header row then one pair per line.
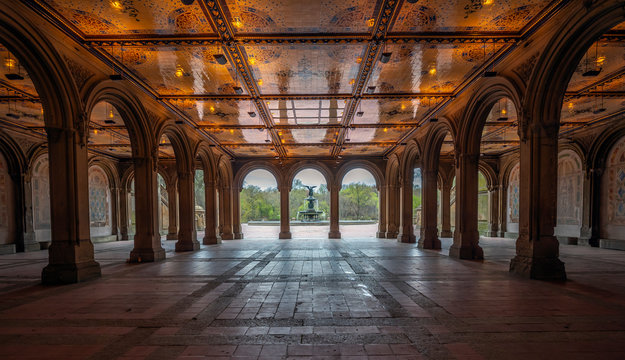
x,y
200,202
167,190
309,218
417,195
483,206
101,217
359,205
260,205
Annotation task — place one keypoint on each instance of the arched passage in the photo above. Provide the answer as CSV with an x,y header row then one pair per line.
x,y
260,204
309,204
359,204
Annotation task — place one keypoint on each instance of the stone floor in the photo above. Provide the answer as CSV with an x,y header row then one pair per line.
x,y
317,298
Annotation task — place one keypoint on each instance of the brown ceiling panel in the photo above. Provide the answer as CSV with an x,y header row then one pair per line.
x,y
429,68
252,151
305,68
590,107
392,111
219,112
466,15
178,70
607,57
365,150
306,112
240,136
308,151
365,135
308,136
301,16
133,17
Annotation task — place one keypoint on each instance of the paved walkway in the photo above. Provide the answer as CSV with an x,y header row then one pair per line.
x,y
315,298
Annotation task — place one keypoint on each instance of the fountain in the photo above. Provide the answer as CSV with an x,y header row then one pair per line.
x,y
311,214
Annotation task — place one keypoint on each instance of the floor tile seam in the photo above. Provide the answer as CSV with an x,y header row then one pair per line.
x,y
124,343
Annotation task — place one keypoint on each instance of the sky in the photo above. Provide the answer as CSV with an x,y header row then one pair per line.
x,y
264,179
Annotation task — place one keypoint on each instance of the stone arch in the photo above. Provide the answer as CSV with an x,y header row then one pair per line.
x,y
570,197
244,170
411,157
506,168
434,141
132,112
361,164
109,168
479,106
100,202
45,66
512,201
12,163
180,143
309,164
556,65
489,173
40,182
203,152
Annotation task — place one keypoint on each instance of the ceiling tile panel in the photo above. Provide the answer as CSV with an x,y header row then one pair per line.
x,y
607,58
391,111
308,151
305,68
466,15
365,150
301,16
429,68
363,135
252,151
125,17
222,112
306,112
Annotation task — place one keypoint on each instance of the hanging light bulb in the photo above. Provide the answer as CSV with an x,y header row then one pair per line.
x,y
179,72
237,23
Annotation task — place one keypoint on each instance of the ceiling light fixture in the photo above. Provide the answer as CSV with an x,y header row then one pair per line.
x,y
179,121
117,4
179,72
370,22
236,21
370,90
433,120
221,59
385,57
11,63
187,2
597,70
237,90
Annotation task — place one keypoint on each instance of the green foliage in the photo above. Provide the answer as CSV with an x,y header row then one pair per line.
x,y
259,205
359,201
199,189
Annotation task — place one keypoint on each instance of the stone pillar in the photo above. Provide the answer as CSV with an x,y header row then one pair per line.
x,y
187,236
406,228
382,224
236,214
493,214
503,210
30,239
392,204
115,195
172,204
285,226
446,209
147,237
226,213
429,229
210,233
591,195
466,236
334,233
71,256
537,250
123,214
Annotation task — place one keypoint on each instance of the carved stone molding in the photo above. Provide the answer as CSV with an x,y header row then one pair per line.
x,y
525,69
80,74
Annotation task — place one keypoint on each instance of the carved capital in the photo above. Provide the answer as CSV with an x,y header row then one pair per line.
x,y
80,74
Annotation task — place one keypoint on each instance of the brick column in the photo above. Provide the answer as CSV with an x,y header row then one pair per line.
x,y
285,226
392,205
382,224
187,236
406,228
429,229
591,203
172,202
236,214
446,210
493,214
226,213
334,233
210,233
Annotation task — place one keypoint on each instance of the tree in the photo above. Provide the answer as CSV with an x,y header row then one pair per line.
x,y
359,201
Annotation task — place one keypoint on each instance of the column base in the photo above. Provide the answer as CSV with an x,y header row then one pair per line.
x,y
172,236
211,240
430,244
492,233
407,238
146,255
187,245
585,241
284,235
551,269
58,274
334,234
238,236
446,234
227,236
391,234
381,234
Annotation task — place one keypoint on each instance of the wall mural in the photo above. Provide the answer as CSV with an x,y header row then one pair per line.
x,y
99,197
616,185
513,195
569,189
41,193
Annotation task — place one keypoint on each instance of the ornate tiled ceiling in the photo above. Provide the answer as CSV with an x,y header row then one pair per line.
x,y
324,78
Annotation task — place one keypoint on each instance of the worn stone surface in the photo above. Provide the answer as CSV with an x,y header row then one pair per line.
x,y
315,298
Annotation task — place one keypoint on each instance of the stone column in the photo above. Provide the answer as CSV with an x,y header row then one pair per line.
x,y
406,228
503,210
187,236
210,233
466,236
392,204
147,237
429,229
123,214
493,221
591,197
382,225
172,204
285,226
226,214
115,195
71,256
334,233
30,239
236,213
537,250
446,209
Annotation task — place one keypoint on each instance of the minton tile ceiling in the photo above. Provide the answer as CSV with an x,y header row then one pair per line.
x,y
294,94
